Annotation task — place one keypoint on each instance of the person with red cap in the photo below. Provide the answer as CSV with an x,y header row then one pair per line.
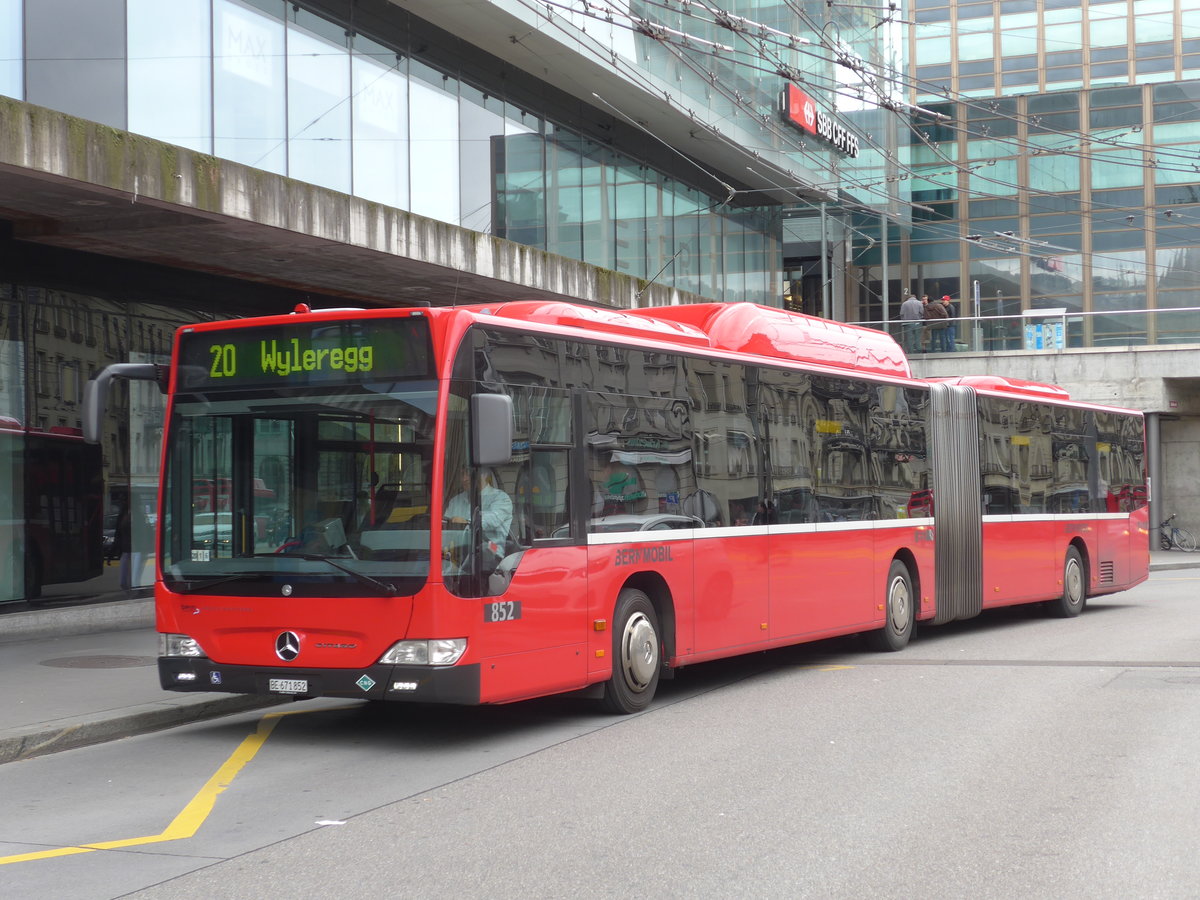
x,y
950,335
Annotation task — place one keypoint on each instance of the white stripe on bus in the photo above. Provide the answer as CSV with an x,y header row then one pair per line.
x,y
745,531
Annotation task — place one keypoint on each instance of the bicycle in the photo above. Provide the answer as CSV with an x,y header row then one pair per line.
x,y
1173,537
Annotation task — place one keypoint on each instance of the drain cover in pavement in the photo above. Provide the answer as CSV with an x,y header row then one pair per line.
x,y
99,662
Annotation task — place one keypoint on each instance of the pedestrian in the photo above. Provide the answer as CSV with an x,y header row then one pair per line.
x,y
911,314
951,333
936,319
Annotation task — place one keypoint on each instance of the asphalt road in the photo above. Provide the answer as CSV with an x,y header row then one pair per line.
x,y
1010,756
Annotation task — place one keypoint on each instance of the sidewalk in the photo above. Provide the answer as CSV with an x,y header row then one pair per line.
x,y
81,673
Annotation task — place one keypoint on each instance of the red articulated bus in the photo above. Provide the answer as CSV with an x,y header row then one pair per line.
x,y
487,504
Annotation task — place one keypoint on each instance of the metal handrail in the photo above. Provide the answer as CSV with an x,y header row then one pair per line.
x,y
1047,330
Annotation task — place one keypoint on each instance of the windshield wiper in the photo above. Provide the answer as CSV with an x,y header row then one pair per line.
x,y
190,587
388,590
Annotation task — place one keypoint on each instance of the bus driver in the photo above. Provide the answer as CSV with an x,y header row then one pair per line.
x,y
496,511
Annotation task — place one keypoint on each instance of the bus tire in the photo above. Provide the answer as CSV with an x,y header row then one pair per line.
x,y
1074,592
637,654
900,612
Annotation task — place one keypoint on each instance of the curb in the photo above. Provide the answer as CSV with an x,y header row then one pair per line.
x,y
69,734
1170,567
119,615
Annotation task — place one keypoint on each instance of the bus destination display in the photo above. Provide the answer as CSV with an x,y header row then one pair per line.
x,y
317,353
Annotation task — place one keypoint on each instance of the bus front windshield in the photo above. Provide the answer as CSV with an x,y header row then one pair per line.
x,y
324,491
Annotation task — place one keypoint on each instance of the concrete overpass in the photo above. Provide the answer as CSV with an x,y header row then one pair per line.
x,y
67,184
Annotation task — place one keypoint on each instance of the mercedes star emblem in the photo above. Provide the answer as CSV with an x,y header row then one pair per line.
x,y
287,645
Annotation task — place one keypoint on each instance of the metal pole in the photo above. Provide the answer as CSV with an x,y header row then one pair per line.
x,y
883,294
825,311
977,328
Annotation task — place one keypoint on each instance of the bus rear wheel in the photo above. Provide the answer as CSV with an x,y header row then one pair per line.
x,y
637,654
1074,588
899,609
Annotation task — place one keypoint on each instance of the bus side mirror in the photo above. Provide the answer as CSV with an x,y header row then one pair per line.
x,y
95,392
491,429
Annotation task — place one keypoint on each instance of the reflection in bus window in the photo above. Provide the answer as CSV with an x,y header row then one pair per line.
x,y
1046,458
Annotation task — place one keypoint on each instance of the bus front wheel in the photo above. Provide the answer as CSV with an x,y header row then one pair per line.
x,y
636,654
1074,587
899,610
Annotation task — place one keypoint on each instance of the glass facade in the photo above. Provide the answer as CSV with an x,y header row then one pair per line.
x,y
1046,195
1066,225
12,49
279,87
998,49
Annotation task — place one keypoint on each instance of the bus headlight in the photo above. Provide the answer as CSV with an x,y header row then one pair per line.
x,y
179,645
442,652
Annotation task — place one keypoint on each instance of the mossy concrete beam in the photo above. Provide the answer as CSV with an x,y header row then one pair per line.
x,y
72,183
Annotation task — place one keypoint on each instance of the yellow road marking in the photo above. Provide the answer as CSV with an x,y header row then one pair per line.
x,y
826,667
189,820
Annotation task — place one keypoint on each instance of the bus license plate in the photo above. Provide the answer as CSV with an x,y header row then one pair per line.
x,y
287,686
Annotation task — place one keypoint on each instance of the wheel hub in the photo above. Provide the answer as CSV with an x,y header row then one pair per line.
x,y
1074,583
639,652
898,604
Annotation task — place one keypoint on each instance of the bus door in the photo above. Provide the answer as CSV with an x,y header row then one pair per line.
x,y
513,534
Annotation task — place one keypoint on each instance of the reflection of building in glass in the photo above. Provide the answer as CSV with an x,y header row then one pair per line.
x,y
51,342
1039,457
722,442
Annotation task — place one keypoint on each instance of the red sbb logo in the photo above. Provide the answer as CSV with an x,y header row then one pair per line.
x,y
801,110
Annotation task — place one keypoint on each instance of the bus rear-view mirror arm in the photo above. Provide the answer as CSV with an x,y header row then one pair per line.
x,y
491,429
95,392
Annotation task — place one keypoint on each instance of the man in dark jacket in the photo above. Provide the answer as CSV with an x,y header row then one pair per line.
x,y
936,320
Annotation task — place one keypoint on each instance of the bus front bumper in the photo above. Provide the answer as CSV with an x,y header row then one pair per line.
x,y
415,684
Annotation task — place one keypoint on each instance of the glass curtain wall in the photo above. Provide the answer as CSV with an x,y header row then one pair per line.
x,y
170,59
12,49
986,49
270,85
1042,218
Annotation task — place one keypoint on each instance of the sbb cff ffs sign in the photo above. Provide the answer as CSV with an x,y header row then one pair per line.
x,y
802,111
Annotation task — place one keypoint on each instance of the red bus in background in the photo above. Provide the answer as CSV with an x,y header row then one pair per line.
x,y
53,509
486,504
